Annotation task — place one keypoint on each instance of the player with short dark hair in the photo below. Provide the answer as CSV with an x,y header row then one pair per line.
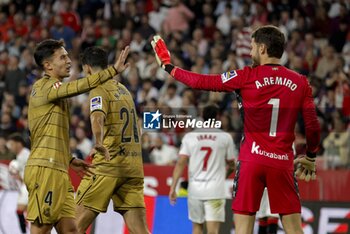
x,y
272,38
51,195
210,112
207,152
16,137
117,153
271,97
95,57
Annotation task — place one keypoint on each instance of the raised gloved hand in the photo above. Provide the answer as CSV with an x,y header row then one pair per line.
x,y
161,51
306,168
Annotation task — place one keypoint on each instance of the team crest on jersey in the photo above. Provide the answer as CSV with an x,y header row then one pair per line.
x,y
96,103
57,84
226,76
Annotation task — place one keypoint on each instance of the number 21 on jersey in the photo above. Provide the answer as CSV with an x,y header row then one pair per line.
x,y
125,115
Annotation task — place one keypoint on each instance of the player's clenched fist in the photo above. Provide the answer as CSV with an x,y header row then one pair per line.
x,y
306,168
161,51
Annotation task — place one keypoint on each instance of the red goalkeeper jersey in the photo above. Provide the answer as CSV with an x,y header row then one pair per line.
x,y
271,97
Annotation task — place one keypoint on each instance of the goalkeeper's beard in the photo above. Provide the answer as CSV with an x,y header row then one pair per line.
x,y
256,61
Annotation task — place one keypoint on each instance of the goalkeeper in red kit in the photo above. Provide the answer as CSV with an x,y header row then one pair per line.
x,y
271,97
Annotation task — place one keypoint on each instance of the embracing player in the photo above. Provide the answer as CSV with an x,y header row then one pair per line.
x,y
118,155
271,97
51,195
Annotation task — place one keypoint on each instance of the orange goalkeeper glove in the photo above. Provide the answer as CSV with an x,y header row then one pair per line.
x,y
306,168
161,51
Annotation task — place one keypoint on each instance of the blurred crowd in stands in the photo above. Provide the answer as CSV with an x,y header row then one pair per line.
x,y
205,36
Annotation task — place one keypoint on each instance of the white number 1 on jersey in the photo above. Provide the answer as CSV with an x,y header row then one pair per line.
x,y
275,102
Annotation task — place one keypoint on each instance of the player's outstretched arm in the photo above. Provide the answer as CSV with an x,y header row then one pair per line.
x,y
194,80
178,170
57,90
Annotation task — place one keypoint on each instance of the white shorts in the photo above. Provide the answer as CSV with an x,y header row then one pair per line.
x,y
23,195
264,210
200,211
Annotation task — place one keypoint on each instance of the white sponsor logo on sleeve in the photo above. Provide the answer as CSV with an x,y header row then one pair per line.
x,y
226,76
96,103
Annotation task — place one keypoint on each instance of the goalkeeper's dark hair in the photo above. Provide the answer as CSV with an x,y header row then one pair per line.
x,y
210,112
95,57
272,37
45,49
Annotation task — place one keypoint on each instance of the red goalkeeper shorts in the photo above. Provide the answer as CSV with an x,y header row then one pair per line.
x,y
250,181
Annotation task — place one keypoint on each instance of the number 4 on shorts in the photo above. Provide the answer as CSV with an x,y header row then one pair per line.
x,y
48,198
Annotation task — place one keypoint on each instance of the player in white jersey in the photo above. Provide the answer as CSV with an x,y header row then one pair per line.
x,y
207,152
16,145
